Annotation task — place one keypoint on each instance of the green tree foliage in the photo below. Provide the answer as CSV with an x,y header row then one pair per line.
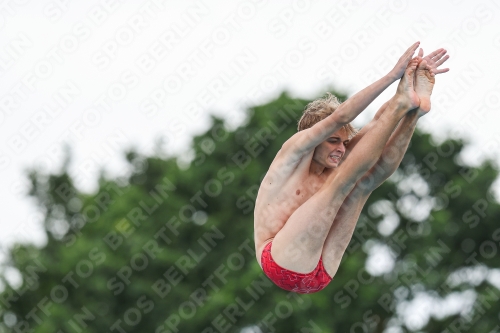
x,y
170,249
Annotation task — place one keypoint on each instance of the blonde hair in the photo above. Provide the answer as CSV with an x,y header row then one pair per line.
x,y
320,109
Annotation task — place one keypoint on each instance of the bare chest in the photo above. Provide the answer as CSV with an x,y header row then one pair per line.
x,y
301,190
278,198
278,202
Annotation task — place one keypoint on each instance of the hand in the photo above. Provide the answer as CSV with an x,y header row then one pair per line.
x,y
397,72
434,60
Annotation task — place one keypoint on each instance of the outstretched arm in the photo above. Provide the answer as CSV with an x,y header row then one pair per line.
x,y
306,140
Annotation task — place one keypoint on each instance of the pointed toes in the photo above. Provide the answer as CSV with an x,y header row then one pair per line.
x,y
422,64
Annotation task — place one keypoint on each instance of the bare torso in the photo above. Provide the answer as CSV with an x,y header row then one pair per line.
x,y
285,187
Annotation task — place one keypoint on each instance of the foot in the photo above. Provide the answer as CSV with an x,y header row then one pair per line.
x,y
405,94
424,82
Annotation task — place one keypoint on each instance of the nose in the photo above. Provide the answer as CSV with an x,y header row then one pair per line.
x,y
341,148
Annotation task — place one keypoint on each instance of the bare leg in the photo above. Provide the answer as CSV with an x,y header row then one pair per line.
x,y
343,226
299,244
425,72
342,229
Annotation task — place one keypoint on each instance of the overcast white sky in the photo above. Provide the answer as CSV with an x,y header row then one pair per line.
x,y
103,75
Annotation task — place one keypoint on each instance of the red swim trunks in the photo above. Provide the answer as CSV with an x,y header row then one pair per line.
x,y
297,282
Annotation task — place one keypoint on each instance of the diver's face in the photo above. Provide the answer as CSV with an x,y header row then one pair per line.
x,y
330,152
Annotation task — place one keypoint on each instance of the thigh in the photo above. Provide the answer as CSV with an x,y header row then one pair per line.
x,y
341,231
299,244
